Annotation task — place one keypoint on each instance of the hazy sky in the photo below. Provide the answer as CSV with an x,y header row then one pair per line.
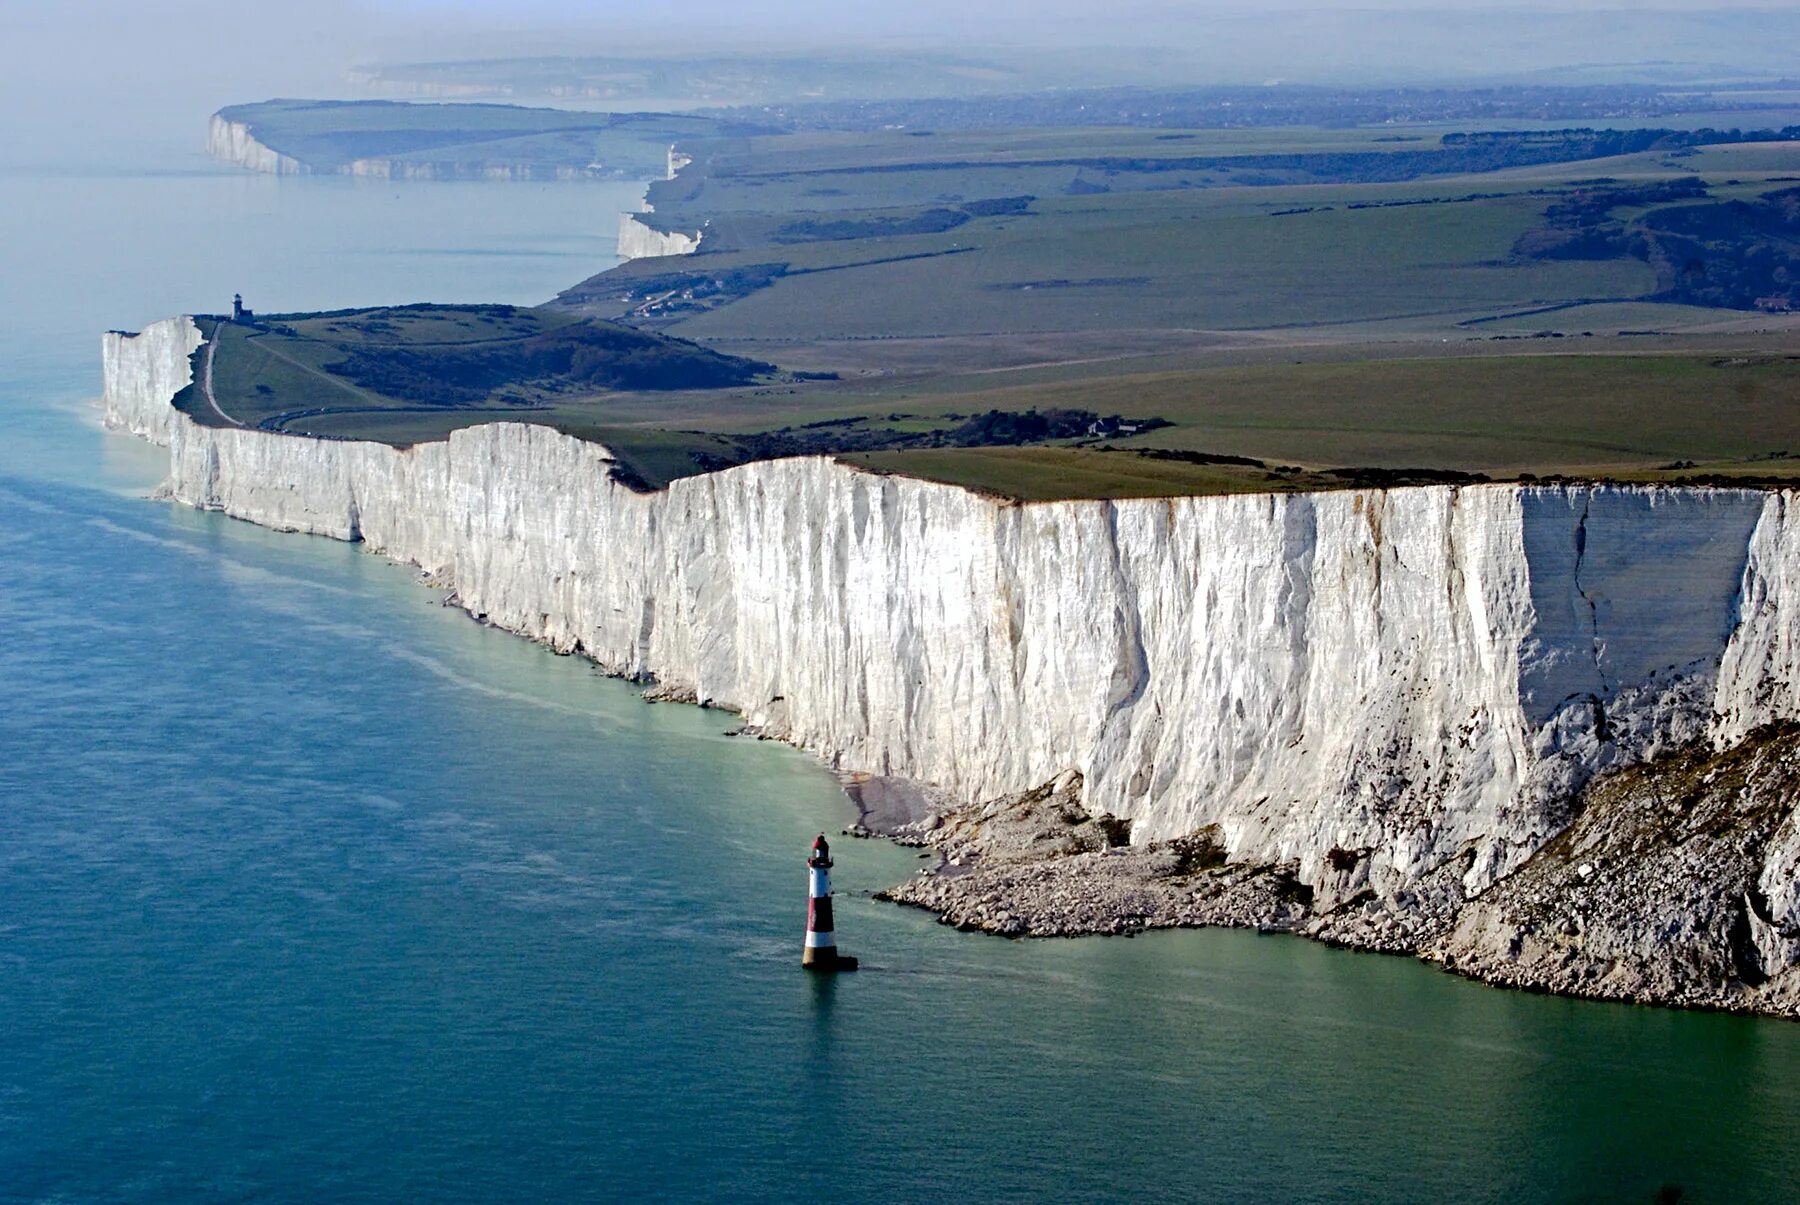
x,y
145,73
1145,22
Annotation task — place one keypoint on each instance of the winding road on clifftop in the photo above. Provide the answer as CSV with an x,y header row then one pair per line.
x,y
206,382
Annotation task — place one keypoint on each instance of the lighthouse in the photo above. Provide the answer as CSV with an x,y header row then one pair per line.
x,y
821,945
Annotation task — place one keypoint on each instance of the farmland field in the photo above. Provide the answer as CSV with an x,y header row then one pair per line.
x,y
816,238
1114,312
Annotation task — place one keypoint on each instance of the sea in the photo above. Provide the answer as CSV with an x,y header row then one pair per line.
x,y
314,890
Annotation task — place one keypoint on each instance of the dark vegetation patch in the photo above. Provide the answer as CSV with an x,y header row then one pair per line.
x,y
997,207
815,230
1741,255
1735,254
935,220
587,355
991,429
997,428
1384,479
1183,456
1092,282
1581,225
1287,476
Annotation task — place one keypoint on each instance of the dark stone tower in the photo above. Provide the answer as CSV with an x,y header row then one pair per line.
x,y
237,307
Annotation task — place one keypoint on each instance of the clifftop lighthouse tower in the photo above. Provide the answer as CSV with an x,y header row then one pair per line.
x,y
821,943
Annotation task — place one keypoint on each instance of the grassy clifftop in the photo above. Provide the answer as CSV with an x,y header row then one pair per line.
x,y
1103,312
408,372
1216,422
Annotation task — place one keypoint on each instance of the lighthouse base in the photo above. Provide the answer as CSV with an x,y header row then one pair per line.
x,y
827,959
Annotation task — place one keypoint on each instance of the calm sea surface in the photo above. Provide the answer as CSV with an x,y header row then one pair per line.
x,y
313,890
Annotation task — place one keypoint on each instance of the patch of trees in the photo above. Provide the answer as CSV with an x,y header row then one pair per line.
x,y
1386,479
935,220
1735,254
1580,225
998,428
993,429
1728,255
815,230
997,207
1184,456
587,355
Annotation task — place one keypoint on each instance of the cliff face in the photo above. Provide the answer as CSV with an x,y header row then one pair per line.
x,y
1675,883
639,240
1384,694
233,142
143,373
1414,674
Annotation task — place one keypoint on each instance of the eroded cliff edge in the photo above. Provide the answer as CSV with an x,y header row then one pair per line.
x,y
1373,708
235,142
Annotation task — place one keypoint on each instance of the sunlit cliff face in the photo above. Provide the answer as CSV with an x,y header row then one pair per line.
x,y
1421,673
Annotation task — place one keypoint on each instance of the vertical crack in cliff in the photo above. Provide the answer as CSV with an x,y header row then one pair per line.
x,y
1007,546
1593,608
1131,677
646,628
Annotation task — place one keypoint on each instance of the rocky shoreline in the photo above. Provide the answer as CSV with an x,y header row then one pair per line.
x,y
1037,865
1665,888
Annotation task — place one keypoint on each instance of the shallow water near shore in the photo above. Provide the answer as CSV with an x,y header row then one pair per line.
x,y
311,888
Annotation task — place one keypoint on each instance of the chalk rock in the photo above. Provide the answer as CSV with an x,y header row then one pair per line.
x,y
1424,674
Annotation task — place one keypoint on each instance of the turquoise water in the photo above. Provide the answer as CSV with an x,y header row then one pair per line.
x,y
311,889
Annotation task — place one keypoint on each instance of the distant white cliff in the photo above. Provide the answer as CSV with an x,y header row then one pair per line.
x,y
1423,674
234,142
640,240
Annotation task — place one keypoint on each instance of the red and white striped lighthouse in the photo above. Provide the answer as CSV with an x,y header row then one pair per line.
x,y
821,944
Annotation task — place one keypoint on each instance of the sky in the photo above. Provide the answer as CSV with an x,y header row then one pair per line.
x,y
147,72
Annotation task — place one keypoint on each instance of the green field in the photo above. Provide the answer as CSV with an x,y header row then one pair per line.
x,y
1193,260
407,373
960,307
1599,414
1154,250
1732,410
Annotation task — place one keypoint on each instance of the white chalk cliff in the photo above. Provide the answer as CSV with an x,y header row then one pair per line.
x,y
640,240
235,142
1419,673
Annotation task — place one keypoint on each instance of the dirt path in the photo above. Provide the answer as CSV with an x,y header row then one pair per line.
x,y
206,382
